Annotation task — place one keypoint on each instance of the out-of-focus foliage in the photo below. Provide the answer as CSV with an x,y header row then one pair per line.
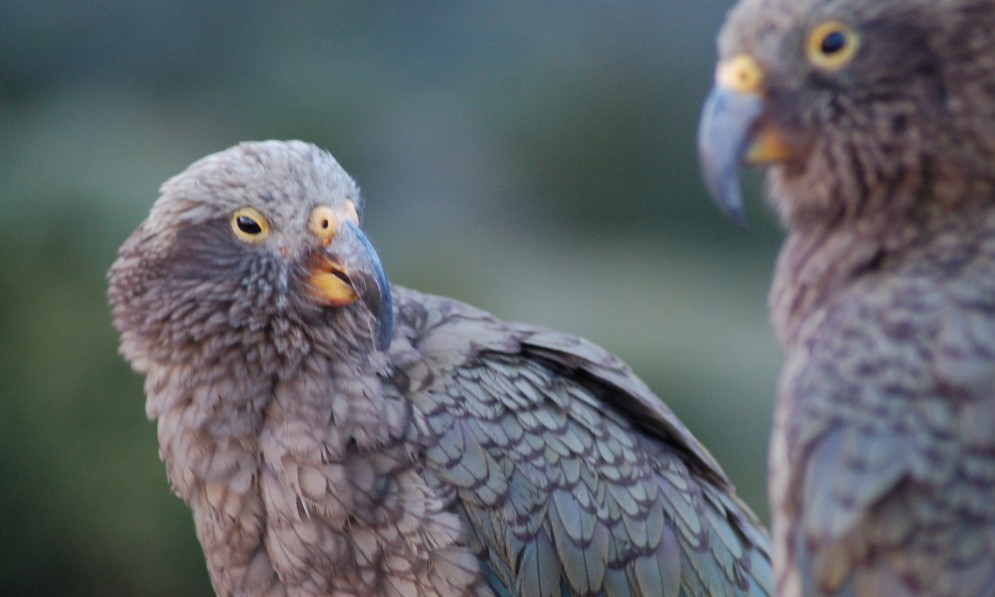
x,y
535,159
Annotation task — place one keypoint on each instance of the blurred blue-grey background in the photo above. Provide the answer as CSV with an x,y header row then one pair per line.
x,y
535,159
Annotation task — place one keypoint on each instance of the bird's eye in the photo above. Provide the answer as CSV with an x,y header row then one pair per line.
x,y
249,225
831,45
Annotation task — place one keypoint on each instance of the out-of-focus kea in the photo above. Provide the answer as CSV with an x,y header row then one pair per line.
x,y
877,119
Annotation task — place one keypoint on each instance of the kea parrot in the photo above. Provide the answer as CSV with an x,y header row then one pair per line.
x,y
876,121
334,435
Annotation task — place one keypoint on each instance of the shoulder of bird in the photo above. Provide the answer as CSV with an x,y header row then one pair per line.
x,y
571,474
449,335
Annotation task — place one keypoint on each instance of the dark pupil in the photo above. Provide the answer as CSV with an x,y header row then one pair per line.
x,y
832,43
248,225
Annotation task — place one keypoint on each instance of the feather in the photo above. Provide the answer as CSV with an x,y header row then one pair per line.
x,y
391,442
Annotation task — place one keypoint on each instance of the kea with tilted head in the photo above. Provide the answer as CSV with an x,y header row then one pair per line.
x,y
334,435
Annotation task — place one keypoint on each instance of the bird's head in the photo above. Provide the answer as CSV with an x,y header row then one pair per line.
x,y
856,105
256,252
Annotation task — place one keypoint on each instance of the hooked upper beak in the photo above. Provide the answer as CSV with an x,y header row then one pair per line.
x,y
732,130
348,270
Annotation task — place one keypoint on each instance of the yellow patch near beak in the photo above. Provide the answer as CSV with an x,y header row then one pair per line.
x,y
329,283
769,146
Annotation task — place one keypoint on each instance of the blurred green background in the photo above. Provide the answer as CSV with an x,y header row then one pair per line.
x,y
536,160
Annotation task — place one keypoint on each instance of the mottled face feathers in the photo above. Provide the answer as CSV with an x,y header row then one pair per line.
x,y
873,107
233,264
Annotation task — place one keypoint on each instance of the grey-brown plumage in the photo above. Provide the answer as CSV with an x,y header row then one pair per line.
x,y
878,119
329,443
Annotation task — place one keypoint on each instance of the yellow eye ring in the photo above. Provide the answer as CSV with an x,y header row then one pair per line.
x,y
249,225
324,223
831,45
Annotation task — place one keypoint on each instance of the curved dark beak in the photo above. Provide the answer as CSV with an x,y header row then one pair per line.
x,y
736,127
350,271
724,137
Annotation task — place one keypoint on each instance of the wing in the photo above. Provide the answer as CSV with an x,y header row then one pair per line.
x,y
573,477
883,458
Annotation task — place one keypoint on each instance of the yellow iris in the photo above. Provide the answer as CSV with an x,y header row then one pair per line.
x,y
831,45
